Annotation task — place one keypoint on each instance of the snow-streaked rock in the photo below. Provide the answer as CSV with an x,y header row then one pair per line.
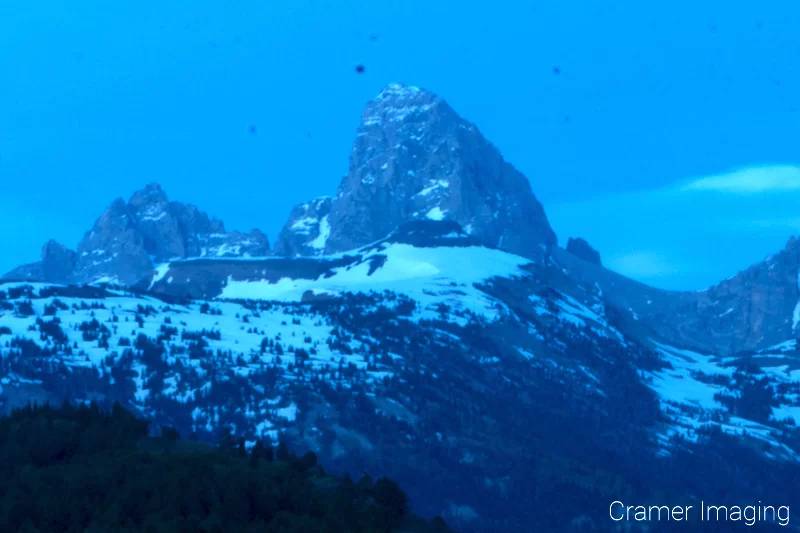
x,y
129,238
414,158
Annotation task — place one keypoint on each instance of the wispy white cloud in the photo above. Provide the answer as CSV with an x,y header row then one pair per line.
x,y
749,180
691,234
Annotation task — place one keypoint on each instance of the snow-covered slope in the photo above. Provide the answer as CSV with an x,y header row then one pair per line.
x,y
435,263
449,275
421,354
757,396
102,330
431,276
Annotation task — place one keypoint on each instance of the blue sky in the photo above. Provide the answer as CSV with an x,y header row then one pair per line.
x,y
98,98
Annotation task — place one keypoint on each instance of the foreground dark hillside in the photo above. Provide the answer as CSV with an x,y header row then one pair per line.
x,y
79,469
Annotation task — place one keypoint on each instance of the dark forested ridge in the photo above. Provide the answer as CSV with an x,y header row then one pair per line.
x,y
85,469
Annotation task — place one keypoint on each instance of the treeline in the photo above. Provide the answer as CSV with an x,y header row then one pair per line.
x,y
83,469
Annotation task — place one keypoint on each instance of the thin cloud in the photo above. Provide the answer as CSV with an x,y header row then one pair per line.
x,y
789,223
691,234
750,180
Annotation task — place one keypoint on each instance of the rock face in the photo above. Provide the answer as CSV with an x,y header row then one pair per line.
x,y
307,230
580,248
57,260
130,238
432,234
414,158
757,309
56,265
753,310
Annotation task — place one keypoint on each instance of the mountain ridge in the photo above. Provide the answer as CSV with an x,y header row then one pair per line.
x,y
129,239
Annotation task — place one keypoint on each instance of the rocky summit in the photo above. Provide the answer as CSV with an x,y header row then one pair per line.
x,y
415,158
129,239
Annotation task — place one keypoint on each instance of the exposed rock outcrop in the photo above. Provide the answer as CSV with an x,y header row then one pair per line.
x,y
307,230
580,248
57,264
414,158
755,309
130,238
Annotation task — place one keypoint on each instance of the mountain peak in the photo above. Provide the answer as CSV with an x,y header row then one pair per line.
x,y
115,218
152,193
415,158
399,92
398,103
128,239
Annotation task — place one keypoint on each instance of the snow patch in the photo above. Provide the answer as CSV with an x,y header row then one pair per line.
x,y
426,275
161,271
289,413
324,233
435,214
304,225
444,184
